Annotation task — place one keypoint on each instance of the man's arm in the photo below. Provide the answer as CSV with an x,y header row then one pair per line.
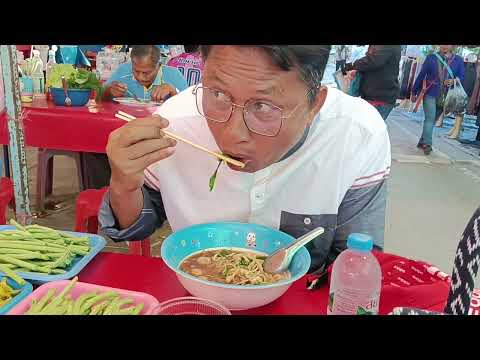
x,y
131,149
173,76
362,207
150,218
375,58
107,93
361,211
417,85
114,83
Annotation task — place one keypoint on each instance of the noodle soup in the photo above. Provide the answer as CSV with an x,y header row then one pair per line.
x,y
230,266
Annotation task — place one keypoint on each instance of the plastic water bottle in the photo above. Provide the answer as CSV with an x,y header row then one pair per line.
x,y
50,64
37,75
356,279
43,50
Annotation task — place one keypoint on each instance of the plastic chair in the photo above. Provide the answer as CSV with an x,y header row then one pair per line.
x,y
45,173
7,197
87,208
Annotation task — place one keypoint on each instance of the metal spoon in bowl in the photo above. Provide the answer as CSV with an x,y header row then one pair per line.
x,y
280,260
68,101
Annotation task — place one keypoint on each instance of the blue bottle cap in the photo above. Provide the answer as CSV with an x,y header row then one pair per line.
x,y
360,242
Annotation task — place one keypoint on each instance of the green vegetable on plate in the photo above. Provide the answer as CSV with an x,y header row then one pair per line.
x,y
39,249
91,303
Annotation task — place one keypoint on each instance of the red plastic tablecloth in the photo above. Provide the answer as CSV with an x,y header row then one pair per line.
x,y
152,276
84,128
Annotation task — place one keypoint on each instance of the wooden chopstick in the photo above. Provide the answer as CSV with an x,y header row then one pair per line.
x,y
131,117
127,117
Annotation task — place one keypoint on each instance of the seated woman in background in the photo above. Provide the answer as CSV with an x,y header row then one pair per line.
x,y
190,64
144,77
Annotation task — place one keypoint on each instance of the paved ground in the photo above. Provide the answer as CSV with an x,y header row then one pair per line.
x,y
431,198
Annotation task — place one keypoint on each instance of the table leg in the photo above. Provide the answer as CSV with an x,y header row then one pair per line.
x,y
135,247
6,161
49,182
86,182
146,248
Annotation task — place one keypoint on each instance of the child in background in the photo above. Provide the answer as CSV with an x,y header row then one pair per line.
x,y
190,64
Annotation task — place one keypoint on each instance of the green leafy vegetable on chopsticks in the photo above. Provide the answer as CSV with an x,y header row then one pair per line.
x,y
213,178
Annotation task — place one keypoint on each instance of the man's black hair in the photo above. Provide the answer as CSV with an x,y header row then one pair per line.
x,y
141,51
309,60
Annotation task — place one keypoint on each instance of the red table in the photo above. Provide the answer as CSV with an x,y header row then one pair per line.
x,y
152,276
83,129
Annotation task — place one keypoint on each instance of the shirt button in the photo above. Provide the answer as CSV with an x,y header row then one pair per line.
x,y
307,221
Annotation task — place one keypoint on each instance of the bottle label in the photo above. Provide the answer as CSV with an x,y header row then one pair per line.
x,y
353,302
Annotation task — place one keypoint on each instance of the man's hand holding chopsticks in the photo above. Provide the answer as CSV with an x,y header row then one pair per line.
x,y
135,146
118,89
163,92
131,149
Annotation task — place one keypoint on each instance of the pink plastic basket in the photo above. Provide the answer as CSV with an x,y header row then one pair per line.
x,y
138,297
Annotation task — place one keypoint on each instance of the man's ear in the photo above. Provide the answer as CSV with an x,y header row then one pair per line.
x,y
318,103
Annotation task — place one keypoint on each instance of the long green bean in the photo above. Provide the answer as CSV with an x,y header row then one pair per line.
x,y
29,256
55,303
11,274
10,266
31,247
17,251
36,248
104,296
38,306
20,263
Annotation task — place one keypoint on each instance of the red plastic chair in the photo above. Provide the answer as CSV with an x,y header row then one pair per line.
x,y
87,208
7,197
45,173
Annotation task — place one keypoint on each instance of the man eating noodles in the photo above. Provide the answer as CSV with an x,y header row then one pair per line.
x,y
313,155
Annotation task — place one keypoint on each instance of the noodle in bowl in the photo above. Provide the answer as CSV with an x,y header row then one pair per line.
x,y
243,283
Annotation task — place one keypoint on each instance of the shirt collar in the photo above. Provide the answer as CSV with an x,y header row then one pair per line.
x,y
298,145
159,78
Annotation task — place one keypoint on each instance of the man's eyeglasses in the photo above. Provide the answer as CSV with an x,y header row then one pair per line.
x,y
260,117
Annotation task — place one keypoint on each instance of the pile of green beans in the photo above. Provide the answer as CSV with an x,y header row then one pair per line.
x,y
92,303
39,249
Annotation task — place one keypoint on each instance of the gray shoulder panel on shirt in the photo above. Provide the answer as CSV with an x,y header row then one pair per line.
x,y
361,211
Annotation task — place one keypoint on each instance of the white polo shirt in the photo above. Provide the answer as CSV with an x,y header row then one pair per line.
x,y
347,148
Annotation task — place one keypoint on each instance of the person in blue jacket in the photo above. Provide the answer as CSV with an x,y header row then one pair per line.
x,y
437,82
